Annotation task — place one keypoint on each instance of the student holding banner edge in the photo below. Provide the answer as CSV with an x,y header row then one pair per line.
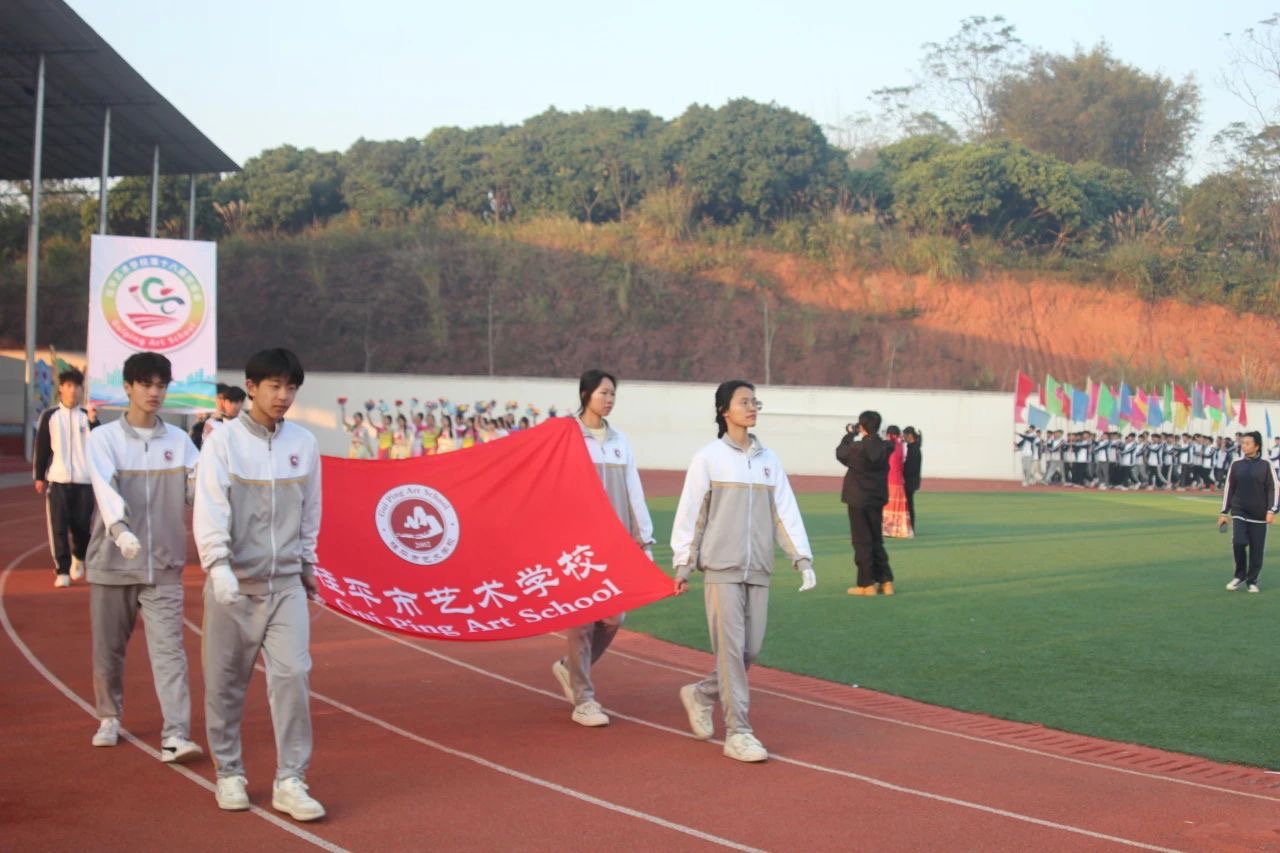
x,y
616,464
735,506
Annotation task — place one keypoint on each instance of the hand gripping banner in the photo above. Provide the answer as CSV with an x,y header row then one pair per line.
x,y
509,539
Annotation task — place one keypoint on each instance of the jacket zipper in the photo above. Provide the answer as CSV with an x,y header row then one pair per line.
x,y
146,488
272,468
746,570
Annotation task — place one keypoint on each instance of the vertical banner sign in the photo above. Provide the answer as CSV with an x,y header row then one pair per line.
x,y
157,295
509,539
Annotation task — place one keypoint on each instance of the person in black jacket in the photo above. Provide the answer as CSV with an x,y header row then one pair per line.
x,y
865,491
911,470
1250,500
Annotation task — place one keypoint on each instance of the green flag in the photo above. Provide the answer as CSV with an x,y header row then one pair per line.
x,y
1167,408
1052,395
1106,402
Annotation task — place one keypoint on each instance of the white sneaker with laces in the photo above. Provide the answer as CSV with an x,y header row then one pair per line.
x,y
1234,584
743,746
1253,587
231,793
62,581
700,722
590,714
561,672
290,796
178,749
108,733
77,569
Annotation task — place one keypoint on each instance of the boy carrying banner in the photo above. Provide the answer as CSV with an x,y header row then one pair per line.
x,y
257,516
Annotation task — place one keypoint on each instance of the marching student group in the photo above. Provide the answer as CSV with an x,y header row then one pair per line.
x,y
119,491
1148,460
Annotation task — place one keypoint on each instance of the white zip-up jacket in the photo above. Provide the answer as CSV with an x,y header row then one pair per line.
x,y
732,503
616,464
257,506
62,435
141,485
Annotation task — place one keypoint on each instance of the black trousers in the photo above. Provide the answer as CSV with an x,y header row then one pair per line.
x,y
70,512
1248,541
866,528
911,506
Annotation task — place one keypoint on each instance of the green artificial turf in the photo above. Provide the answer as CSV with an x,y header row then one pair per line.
x,y
1099,613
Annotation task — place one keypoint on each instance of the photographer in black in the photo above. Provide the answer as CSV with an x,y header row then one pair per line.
x,y
865,491
1250,500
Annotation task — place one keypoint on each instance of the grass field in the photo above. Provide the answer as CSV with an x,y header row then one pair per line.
x,y
1098,613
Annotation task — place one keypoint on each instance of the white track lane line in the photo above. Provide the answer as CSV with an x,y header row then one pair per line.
x,y
773,756
516,774
287,826
961,735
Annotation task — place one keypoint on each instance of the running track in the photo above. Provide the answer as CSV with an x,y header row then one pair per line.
x,y
470,747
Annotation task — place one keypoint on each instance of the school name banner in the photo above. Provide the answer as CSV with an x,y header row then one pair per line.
x,y
157,295
508,539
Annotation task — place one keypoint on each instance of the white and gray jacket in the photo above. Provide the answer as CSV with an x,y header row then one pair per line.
x,y
62,434
142,485
616,464
732,503
257,506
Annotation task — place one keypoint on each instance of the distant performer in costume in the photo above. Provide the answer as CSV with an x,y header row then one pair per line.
x,y
897,518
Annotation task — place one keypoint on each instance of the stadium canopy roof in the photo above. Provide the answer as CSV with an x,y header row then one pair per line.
x,y
84,76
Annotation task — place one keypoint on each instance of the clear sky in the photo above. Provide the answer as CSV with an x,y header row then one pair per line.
x,y
253,74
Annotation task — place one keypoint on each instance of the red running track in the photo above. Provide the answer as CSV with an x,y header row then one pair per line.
x,y
470,747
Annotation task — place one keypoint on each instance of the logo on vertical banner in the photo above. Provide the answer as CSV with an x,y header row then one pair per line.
x,y
418,524
152,302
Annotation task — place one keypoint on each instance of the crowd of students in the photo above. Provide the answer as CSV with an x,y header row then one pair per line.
x,y
1132,461
434,427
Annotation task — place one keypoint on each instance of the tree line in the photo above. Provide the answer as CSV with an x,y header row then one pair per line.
x,y
994,155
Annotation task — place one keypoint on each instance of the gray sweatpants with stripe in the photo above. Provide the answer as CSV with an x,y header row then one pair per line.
x,y
278,625
113,613
736,617
586,644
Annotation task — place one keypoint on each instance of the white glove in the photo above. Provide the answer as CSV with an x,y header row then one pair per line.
x,y
128,544
810,580
226,589
648,552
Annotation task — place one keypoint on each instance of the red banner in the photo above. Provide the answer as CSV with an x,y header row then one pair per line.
x,y
508,539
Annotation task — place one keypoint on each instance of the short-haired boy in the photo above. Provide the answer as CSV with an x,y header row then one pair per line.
x,y
61,474
141,469
257,516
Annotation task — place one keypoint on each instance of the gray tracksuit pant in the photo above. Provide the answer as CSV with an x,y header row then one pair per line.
x,y
736,617
586,644
279,625
113,612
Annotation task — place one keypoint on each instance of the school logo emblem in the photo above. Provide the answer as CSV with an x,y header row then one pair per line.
x,y
767,472
417,524
154,303
168,456
617,453
293,460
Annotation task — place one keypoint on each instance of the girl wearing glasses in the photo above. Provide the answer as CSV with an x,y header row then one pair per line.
x,y
735,506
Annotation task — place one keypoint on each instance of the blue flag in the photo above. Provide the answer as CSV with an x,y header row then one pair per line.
x,y
1079,405
1155,414
1039,418
1267,412
1126,403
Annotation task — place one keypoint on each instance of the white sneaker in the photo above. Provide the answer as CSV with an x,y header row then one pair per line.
x,y
589,714
561,672
1235,583
77,569
290,796
231,793
108,733
179,749
700,722
1253,587
743,746
62,581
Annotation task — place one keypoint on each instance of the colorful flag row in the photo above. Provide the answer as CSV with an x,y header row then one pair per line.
x,y
1124,407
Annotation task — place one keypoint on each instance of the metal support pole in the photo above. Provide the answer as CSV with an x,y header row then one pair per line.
x,y
191,210
155,190
106,172
33,266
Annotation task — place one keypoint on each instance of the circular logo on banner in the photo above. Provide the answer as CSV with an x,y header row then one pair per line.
x,y
153,303
418,524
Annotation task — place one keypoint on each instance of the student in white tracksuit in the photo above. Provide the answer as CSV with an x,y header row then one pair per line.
x,y
141,469
257,516
736,499
616,464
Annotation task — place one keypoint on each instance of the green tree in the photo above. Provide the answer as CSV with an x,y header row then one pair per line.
x,y
375,180
288,188
1091,106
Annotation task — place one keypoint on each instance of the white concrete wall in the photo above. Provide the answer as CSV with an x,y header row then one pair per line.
x,y
966,434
